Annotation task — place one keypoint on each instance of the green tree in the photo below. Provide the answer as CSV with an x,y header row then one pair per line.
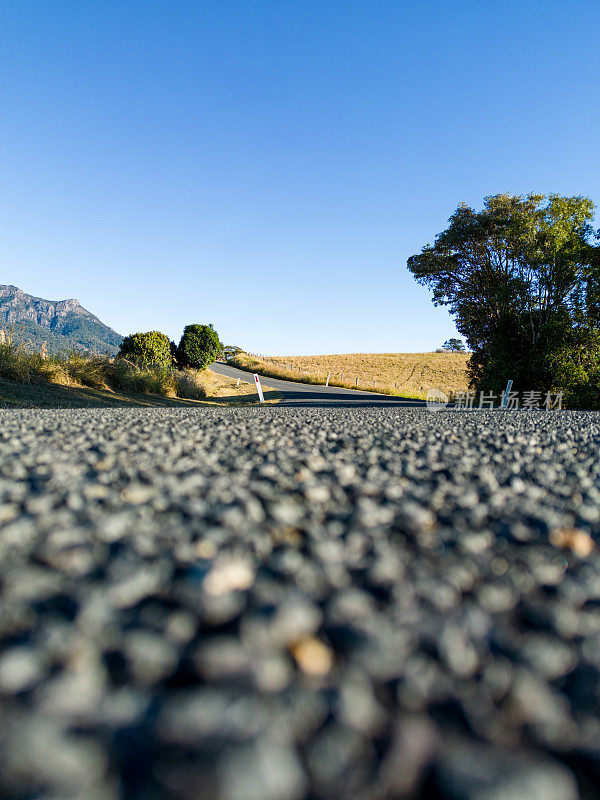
x,y
173,347
199,346
453,345
151,349
522,279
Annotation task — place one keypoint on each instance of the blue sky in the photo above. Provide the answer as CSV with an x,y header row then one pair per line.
x,y
269,166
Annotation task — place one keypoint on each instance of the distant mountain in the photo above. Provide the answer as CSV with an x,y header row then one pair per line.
x,y
63,324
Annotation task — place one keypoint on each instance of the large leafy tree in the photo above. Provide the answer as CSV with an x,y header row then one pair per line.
x,y
199,346
522,279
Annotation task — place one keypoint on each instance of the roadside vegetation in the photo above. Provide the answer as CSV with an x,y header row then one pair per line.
x,y
453,346
149,369
199,346
401,374
20,364
522,280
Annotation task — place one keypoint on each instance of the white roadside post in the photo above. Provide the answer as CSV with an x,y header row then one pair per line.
x,y
327,381
506,394
259,388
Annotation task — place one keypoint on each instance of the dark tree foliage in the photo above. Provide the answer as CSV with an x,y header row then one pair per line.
x,y
453,345
199,346
522,279
151,349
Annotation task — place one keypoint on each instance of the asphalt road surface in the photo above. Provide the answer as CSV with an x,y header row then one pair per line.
x,y
269,603
311,396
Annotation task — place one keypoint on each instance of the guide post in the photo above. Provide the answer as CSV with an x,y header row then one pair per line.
x,y
259,388
506,394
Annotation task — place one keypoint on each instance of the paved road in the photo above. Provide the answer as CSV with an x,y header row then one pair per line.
x,y
308,395
299,604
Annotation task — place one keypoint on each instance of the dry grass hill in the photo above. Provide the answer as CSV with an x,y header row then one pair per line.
x,y
404,374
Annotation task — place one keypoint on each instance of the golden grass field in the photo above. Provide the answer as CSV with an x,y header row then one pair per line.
x,y
402,374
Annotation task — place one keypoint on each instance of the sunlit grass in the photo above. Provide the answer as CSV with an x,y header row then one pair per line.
x,y
22,364
401,374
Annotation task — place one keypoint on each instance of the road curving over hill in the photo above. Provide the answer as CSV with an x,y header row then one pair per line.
x,y
310,395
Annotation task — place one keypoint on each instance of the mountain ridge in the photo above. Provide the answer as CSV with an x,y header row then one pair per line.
x,y
62,324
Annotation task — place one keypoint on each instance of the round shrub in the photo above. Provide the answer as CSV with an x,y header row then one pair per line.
x,y
199,346
151,349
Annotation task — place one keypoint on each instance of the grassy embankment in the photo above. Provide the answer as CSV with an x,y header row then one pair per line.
x,y
402,374
27,378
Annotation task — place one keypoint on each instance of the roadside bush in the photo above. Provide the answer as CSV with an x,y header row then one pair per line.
x,y
147,349
199,346
125,376
86,370
14,363
575,369
188,385
19,364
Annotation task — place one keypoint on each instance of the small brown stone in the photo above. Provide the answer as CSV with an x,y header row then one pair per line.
x,y
574,539
313,656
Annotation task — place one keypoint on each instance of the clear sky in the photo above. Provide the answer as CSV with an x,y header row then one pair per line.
x,y
269,165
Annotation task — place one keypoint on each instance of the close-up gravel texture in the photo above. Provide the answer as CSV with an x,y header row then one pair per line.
x,y
299,604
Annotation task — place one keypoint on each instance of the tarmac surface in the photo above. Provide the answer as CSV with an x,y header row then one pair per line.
x,y
272,603
308,395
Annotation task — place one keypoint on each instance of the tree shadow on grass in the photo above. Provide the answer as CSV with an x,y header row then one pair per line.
x,y
38,395
248,399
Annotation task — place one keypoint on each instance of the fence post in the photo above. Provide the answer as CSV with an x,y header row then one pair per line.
x,y
357,381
